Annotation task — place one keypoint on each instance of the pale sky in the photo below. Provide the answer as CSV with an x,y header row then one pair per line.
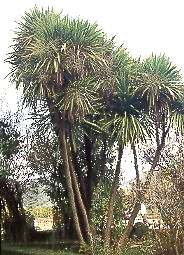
x,y
144,26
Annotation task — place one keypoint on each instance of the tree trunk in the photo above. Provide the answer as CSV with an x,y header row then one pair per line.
x,y
160,142
89,179
107,231
137,206
123,240
81,205
136,167
63,147
80,176
58,122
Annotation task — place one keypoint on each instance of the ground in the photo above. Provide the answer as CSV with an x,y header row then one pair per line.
x,y
27,250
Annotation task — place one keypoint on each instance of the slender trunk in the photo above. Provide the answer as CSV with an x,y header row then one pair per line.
x,y
107,231
125,237
89,179
136,167
81,204
137,206
63,144
123,240
59,127
103,159
160,142
74,155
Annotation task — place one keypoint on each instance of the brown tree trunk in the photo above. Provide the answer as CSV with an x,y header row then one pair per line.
x,y
160,142
58,122
125,237
82,209
136,167
107,231
137,206
64,153
89,179
140,196
80,176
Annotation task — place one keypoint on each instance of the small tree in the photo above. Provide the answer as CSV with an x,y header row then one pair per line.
x,y
14,220
166,194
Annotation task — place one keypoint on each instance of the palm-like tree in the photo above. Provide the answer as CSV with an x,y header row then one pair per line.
x,y
71,66
63,62
125,120
159,86
162,88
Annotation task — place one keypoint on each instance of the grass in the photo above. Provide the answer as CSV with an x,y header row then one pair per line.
x,y
18,250
8,249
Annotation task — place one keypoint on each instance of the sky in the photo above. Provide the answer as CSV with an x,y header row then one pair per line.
x,y
144,26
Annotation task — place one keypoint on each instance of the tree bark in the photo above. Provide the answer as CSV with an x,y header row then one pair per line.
x,y
81,205
137,206
107,231
136,166
89,179
64,153
80,177
58,122
123,240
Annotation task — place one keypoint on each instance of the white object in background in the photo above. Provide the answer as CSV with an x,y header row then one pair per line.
x,y
143,209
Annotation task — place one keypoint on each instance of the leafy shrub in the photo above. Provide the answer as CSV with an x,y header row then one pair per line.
x,y
167,242
100,208
139,230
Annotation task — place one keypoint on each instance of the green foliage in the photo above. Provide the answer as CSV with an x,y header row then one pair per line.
x,y
136,249
99,210
51,49
9,139
166,242
161,81
10,145
99,207
166,195
80,99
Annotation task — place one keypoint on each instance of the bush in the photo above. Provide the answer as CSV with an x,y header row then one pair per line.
x,y
167,242
139,230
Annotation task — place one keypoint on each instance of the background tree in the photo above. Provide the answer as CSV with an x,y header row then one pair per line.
x,y
166,192
13,214
159,84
